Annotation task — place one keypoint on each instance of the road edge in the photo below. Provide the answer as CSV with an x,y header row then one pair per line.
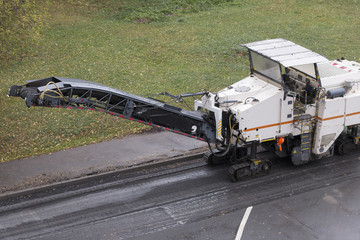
x,y
93,177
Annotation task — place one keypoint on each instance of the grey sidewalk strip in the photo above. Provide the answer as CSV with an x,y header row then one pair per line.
x,y
95,159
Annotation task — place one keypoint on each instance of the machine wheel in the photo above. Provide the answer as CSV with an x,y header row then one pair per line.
x,y
344,146
266,167
340,148
243,171
239,171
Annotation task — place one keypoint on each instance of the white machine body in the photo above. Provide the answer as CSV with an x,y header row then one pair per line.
x,y
291,91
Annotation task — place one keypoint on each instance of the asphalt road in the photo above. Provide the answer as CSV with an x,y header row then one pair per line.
x,y
318,201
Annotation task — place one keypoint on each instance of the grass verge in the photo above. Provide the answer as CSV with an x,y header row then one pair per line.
x,y
185,52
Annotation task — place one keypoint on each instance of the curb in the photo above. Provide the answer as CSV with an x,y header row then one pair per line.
x,y
138,167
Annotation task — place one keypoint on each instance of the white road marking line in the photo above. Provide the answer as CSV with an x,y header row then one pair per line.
x,y
243,222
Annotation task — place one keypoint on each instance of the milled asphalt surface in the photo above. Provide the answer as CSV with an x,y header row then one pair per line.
x,y
316,201
329,213
95,158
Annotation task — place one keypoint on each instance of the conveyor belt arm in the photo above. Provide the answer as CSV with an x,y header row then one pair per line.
x,y
80,94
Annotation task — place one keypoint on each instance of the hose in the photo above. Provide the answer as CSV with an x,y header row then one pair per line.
x,y
229,141
52,91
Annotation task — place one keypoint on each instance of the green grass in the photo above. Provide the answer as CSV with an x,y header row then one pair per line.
x,y
184,52
155,10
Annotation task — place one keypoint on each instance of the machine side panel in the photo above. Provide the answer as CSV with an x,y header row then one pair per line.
x,y
267,119
330,124
352,110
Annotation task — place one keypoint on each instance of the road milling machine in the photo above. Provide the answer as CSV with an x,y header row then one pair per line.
x,y
295,103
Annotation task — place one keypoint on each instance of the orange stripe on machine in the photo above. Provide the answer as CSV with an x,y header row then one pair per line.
x,y
267,126
321,119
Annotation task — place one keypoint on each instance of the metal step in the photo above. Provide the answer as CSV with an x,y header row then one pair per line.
x,y
303,117
305,145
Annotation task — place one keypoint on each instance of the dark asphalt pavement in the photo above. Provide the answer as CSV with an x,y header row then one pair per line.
x,y
330,213
316,201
